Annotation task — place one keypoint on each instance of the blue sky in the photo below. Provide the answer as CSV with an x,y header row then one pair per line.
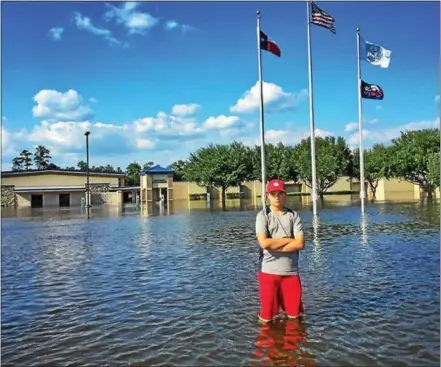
x,y
155,81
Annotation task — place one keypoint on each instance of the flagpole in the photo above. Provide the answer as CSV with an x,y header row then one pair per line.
x,y
311,114
360,124
262,124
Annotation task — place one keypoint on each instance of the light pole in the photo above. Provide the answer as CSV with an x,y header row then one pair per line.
x,y
87,133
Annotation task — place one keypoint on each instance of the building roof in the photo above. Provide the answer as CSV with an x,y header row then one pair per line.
x,y
157,169
59,171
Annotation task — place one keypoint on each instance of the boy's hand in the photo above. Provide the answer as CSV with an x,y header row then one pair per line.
x,y
295,245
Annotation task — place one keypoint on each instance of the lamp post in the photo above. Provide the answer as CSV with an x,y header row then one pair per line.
x,y
87,133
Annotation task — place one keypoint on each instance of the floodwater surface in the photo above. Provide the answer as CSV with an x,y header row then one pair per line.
x,y
181,289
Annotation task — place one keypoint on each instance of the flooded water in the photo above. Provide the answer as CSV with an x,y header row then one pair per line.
x,y
180,288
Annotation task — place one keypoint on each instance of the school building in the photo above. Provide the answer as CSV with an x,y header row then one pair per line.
x,y
65,188
62,188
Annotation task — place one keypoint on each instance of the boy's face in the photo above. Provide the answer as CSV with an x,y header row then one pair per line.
x,y
277,198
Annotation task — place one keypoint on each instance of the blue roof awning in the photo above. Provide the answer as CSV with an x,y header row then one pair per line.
x,y
158,170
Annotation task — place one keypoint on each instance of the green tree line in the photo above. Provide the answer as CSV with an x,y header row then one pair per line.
x,y
413,157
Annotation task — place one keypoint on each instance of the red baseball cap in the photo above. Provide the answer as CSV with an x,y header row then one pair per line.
x,y
275,185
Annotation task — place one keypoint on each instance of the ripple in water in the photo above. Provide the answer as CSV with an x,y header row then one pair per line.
x,y
181,290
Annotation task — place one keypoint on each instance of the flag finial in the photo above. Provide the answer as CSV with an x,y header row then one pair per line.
x,y
258,13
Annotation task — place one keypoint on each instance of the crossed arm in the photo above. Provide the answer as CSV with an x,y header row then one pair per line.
x,y
281,244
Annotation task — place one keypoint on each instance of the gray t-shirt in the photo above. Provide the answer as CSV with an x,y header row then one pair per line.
x,y
288,224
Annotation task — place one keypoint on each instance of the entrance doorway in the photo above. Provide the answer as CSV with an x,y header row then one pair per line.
x,y
64,200
36,201
127,197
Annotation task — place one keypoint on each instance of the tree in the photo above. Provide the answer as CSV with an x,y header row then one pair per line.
x,y
178,168
148,165
17,164
133,171
279,162
108,168
376,165
333,160
412,154
223,166
82,166
42,157
434,170
26,158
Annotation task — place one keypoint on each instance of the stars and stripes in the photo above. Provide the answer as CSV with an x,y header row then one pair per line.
x,y
321,18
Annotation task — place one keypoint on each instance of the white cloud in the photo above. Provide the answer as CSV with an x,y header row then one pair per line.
x,y
437,99
6,139
167,126
351,126
146,124
54,105
386,135
275,136
378,108
63,134
93,100
84,23
321,133
146,144
9,141
275,98
354,125
56,33
185,109
372,121
220,122
67,137
135,21
172,25
286,136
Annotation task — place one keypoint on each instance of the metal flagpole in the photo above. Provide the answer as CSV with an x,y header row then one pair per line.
x,y
311,114
262,124
360,125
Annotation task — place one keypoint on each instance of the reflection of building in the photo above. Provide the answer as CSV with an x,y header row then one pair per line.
x,y
58,187
252,190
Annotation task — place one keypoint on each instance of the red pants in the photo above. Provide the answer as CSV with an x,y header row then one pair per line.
x,y
278,291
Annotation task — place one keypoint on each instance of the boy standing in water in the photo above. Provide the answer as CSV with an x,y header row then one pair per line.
x,y
280,236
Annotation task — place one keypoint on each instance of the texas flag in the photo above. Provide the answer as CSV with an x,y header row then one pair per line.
x,y
267,45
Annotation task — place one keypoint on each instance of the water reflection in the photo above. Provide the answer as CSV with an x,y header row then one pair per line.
x,y
282,343
178,287
363,226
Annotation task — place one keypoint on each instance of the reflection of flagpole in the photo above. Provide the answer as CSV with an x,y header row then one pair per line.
x,y
311,115
262,125
315,227
360,124
363,225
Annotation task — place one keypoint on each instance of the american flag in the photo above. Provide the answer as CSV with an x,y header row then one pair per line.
x,y
321,18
